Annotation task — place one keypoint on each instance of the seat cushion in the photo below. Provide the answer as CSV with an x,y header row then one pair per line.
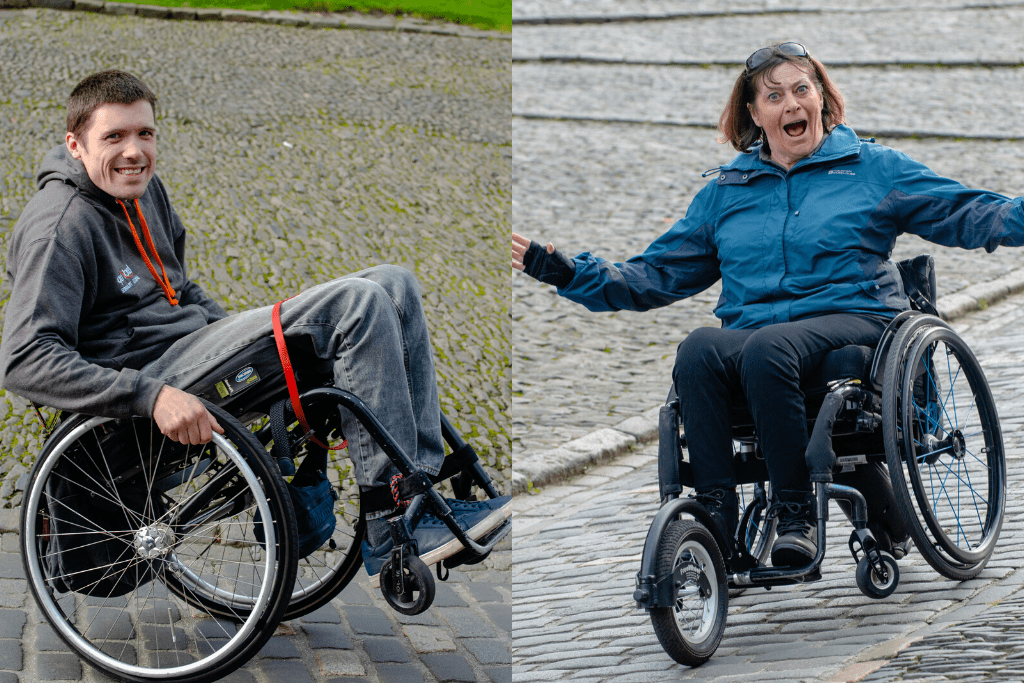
x,y
253,377
845,363
849,362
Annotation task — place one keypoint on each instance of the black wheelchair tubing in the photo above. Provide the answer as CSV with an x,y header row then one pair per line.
x,y
346,570
993,442
265,625
343,572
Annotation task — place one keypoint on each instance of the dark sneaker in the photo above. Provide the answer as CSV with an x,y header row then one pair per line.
x,y
435,541
721,503
797,541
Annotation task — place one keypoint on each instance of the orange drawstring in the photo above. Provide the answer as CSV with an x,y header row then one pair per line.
x,y
165,283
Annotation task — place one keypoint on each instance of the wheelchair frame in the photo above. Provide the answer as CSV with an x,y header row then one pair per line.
x,y
903,394
406,582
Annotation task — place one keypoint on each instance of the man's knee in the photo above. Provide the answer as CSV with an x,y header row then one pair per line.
x,y
398,282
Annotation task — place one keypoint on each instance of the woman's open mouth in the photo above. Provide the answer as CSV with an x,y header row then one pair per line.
x,y
795,129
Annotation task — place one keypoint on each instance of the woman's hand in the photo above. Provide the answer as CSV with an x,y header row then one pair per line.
x,y
519,246
545,263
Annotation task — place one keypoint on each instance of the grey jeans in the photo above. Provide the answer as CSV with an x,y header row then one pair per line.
x,y
371,325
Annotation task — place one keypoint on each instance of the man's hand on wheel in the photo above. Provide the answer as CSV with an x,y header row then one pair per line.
x,y
183,418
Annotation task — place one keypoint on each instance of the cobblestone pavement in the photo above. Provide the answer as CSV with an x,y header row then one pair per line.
x,y
613,110
357,638
577,547
577,11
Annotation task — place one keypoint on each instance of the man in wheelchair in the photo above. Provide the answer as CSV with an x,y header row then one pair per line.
x,y
104,320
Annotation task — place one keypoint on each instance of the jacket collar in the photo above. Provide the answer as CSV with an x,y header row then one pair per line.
x,y
840,143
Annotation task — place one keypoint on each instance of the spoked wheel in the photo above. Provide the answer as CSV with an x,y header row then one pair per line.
x,y
327,570
138,550
757,529
945,450
691,630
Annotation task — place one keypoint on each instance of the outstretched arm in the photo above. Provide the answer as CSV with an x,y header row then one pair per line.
x,y
680,263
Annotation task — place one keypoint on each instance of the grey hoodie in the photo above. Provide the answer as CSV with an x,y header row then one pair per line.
x,y
85,314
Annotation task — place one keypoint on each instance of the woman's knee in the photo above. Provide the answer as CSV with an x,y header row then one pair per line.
x,y
768,352
698,355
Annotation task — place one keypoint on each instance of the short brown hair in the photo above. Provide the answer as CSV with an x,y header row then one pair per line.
x,y
736,126
105,87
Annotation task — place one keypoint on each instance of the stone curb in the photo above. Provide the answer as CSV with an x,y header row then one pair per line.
x,y
349,20
550,466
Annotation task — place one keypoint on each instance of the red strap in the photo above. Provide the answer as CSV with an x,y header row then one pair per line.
x,y
289,378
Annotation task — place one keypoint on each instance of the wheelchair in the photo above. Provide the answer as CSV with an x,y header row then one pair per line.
x,y
904,437
155,560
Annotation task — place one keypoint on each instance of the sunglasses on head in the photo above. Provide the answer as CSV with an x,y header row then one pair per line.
x,y
761,56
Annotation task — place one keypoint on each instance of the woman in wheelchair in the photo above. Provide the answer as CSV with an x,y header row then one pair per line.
x,y
799,227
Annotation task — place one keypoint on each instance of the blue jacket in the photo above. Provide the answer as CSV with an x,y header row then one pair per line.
x,y
810,242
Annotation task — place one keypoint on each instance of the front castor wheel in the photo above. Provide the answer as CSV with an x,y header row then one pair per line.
x,y
871,583
691,630
413,591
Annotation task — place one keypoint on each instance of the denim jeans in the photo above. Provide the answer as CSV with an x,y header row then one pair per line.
x,y
767,365
371,325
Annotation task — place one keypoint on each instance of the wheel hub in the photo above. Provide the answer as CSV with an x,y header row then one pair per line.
x,y
153,541
955,444
959,444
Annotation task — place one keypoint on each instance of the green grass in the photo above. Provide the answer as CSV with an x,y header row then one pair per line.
x,y
486,14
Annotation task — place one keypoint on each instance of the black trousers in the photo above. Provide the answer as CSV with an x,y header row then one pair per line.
x,y
767,366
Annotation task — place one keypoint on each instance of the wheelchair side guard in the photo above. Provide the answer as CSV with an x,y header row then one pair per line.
x,y
889,334
670,452
659,591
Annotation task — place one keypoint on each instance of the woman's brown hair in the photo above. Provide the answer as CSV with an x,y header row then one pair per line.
x,y
736,126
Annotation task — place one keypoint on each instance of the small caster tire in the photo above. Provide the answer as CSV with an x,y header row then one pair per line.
x,y
691,630
418,585
873,585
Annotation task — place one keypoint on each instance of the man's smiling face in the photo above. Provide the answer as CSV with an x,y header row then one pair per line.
x,y
118,148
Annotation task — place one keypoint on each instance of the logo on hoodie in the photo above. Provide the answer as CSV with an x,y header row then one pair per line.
x,y
125,279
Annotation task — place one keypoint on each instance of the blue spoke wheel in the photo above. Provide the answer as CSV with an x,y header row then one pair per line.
x,y
945,449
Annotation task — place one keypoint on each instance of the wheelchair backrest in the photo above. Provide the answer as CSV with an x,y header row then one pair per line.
x,y
919,282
